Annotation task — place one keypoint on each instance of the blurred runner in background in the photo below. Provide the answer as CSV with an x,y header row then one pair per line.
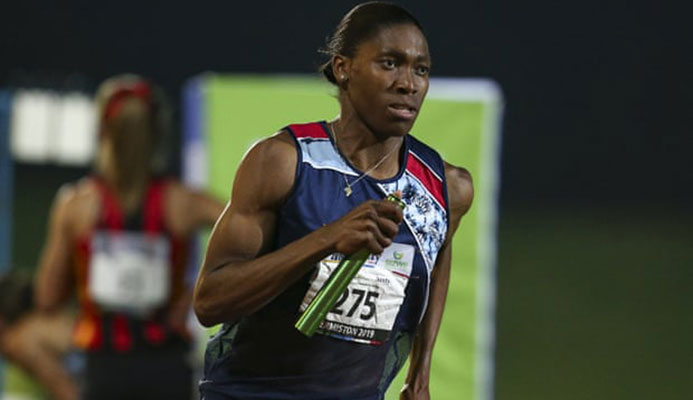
x,y
118,240
36,342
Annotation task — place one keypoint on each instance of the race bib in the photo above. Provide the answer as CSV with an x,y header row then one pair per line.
x,y
129,271
367,309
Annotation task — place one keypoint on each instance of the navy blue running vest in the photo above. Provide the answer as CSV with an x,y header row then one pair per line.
x,y
263,356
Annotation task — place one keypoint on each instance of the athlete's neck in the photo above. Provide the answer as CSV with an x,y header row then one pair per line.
x,y
127,181
364,148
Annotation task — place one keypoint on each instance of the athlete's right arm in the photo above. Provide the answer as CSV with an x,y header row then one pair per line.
x,y
240,274
54,280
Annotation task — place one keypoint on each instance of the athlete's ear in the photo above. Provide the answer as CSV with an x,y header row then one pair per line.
x,y
341,67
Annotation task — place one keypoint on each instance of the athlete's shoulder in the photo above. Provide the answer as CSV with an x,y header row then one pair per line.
x,y
76,205
277,150
267,172
75,196
310,130
460,189
427,154
78,190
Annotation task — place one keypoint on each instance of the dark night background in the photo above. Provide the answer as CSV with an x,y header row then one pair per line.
x,y
595,235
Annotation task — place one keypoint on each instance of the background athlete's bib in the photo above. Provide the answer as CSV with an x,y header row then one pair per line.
x,y
367,309
129,271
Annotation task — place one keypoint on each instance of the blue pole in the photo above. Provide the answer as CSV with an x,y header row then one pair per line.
x,y
5,181
194,169
5,196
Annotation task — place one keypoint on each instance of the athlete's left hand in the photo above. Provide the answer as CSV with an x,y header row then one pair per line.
x,y
178,318
409,392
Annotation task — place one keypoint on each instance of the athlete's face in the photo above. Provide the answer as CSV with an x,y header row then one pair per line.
x,y
387,79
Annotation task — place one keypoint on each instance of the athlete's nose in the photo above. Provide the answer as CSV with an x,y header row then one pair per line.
x,y
406,82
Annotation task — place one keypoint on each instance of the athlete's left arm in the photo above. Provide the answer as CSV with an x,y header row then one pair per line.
x,y
460,195
188,210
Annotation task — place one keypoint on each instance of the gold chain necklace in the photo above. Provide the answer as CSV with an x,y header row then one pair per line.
x,y
347,189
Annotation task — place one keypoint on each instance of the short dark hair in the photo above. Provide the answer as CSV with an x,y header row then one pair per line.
x,y
360,24
16,296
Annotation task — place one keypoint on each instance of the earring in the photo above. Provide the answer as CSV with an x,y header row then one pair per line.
x,y
343,78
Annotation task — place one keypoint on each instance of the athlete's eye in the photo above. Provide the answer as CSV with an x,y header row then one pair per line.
x,y
422,70
388,63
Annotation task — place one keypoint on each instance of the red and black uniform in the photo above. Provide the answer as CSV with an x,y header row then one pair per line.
x,y
131,355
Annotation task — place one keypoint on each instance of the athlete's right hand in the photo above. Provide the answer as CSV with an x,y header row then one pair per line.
x,y
372,225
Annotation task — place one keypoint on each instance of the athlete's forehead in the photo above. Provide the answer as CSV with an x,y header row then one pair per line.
x,y
399,40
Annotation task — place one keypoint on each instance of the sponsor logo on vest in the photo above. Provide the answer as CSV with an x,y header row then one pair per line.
x,y
397,263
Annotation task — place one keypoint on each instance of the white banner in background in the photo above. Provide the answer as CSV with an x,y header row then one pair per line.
x,y
49,127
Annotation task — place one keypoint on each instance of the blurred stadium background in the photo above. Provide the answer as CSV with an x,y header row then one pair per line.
x,y
595,246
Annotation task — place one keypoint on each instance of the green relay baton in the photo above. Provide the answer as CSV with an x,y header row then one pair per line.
x,y
335,285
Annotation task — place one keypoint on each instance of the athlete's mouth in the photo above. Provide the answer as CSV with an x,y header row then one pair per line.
x,y
402,111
